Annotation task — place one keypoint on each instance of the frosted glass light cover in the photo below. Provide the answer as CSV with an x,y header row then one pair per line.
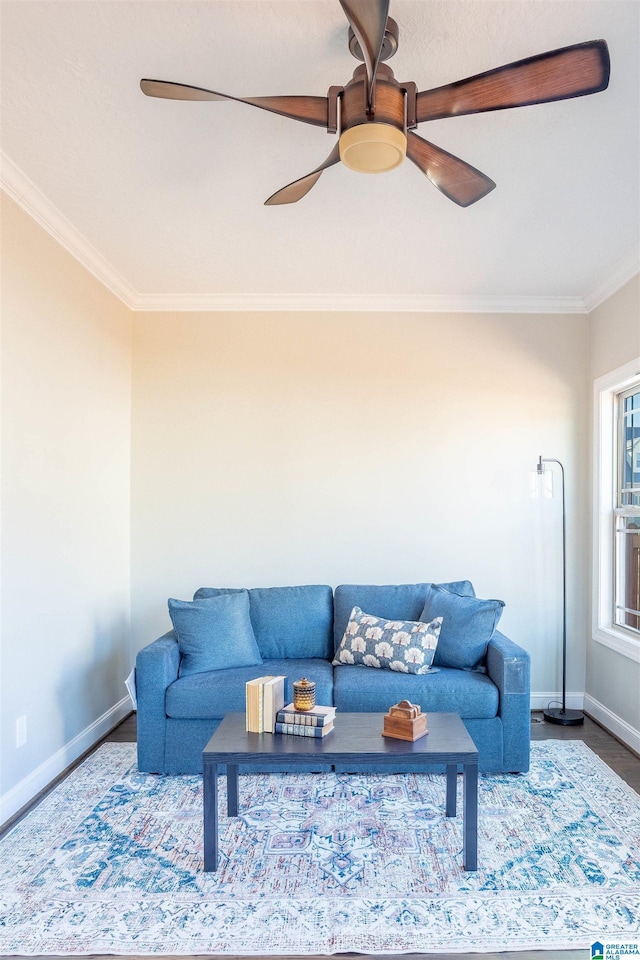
x,y
373,147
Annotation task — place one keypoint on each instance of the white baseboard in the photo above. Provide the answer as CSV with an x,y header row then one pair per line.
x,y
540,701
28,788
613,723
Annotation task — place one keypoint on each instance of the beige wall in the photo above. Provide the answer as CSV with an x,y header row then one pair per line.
x,y
66,375
328,448
614,330
613,680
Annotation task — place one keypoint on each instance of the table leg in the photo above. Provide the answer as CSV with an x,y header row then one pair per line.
x,y
232,789
470,816
452,779
210,797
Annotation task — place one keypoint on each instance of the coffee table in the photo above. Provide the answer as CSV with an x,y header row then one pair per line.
x,y
355,738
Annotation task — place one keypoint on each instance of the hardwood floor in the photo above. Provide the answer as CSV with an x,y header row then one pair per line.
x,y
615,754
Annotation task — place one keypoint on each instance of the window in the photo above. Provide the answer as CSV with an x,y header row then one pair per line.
x,y
616,580
627,511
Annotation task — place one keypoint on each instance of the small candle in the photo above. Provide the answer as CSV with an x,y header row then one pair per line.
x,y
304,694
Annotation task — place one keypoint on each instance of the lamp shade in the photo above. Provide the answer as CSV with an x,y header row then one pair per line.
x,y
541,484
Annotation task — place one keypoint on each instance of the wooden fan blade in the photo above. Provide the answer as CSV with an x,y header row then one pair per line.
x,y
307,109
459,181
558,75
299,188
368,20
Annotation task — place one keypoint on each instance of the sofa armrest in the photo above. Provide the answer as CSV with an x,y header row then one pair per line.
x,y
156,667
508,665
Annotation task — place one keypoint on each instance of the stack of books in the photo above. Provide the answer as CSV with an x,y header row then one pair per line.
x,y
317,722
265,697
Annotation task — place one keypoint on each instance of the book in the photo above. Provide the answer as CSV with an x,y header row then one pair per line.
x,y
304,729
254,704
272,702
316,717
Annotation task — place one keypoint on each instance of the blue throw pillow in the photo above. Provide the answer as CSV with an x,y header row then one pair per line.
x,y
404,646
467,627
214,633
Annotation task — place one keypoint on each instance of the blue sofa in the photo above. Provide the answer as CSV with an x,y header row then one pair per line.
x,y
298,629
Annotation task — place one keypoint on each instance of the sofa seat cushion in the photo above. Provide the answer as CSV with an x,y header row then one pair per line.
x,y
292,622
205,696
400,601
356,689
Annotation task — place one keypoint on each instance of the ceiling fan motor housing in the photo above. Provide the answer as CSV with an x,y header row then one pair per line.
x,y
373,142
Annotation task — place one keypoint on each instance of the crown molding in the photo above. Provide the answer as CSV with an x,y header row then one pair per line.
x,y
360,303
31,199
623,271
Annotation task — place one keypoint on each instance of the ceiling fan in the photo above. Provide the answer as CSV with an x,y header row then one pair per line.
x,y
376,116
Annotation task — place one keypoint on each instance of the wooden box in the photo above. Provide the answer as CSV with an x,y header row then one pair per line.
x,y
405,721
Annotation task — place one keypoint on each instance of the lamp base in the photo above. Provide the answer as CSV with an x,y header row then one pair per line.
x,y
569,718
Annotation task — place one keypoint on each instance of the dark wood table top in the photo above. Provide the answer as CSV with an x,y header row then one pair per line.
x,y
354,736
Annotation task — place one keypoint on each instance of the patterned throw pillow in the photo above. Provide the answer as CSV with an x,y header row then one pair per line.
x,y
405,646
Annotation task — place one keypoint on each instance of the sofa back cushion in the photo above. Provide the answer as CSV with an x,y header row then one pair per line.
x,y
289,622
401,601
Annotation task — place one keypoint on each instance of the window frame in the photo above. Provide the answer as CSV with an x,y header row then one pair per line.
x,y
623,511
607,390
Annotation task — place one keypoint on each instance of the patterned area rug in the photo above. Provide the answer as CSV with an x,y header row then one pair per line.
x,y
111,862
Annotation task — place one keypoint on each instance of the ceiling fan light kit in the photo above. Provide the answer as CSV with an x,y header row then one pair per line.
x,y
376,116
373,147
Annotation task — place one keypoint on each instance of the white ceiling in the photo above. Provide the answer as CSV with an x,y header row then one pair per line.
x,y
163,200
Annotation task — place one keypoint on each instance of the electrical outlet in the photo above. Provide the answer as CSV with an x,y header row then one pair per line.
x,y
21,731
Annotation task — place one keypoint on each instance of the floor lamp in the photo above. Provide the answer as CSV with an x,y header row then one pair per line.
x,y
561,714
